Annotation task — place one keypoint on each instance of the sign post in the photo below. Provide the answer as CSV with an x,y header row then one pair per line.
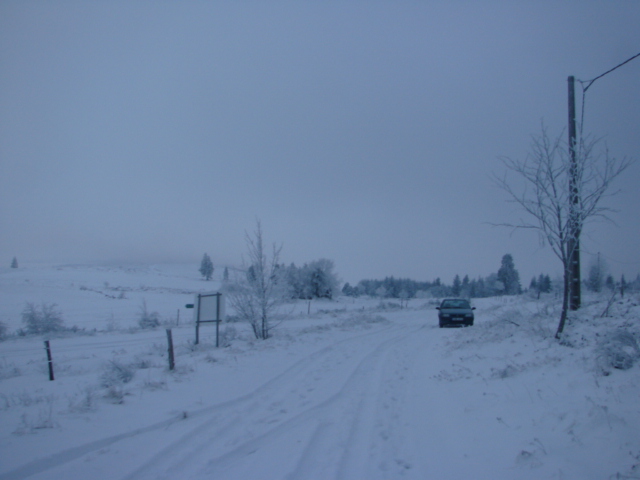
x,y
209,307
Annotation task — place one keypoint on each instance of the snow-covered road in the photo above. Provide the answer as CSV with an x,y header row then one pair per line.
x,y
336,413
340,412
363,397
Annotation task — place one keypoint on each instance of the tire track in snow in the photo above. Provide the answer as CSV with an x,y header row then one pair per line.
x,y
340,432
206,429
260,426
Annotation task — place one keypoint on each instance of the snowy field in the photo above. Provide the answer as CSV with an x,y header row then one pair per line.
x,y
347,389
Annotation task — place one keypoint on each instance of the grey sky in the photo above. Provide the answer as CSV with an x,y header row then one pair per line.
x,y
363,132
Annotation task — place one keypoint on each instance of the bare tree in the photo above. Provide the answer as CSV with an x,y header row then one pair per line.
x,y
258,290
546,194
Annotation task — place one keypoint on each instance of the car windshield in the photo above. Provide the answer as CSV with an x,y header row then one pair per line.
x,y
455,304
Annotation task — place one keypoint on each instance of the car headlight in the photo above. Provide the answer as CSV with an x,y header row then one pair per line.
x,y
469,315
446,315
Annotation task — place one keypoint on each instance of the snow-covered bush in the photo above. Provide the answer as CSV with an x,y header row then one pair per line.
x,y
116,373
43,319
619,350
147,319
114,376
44,418
84,401
228,335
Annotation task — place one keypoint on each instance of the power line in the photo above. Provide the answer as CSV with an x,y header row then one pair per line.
x,y
590,82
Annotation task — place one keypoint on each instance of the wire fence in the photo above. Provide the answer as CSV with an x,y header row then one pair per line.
x,y
69,351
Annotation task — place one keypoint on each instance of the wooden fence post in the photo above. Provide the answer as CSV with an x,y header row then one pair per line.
x,y
170,342
47,347
198,321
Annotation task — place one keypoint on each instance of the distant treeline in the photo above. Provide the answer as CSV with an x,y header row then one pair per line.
x,y
404,288
506,281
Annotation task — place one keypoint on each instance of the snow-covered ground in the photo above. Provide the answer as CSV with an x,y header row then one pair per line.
x,y
349,389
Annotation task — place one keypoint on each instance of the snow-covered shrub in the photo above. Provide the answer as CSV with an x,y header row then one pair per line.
x,y
388,306
227,335
147,319
154,385
115,394
618,350
113,378
84,401
44,418
210,358
43,319
141,363
116,374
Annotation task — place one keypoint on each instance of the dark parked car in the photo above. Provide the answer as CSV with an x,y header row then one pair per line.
x,y
455,311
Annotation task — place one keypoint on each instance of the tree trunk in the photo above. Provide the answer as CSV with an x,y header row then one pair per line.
x,y
565,301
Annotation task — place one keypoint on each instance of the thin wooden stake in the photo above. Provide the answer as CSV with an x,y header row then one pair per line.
x,y
47,347
170,342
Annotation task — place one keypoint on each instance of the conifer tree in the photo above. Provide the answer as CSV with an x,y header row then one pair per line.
x,y
206,267
457,284
509,276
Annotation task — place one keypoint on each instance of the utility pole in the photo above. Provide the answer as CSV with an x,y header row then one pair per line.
x,y
573,242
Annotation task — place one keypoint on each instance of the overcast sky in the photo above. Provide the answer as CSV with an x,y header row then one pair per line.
x,y
362,132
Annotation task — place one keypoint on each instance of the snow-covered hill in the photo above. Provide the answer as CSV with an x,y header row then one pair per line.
x,y
353,389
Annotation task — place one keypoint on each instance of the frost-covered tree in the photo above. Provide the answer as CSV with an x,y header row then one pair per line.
x,y
610,283
257,294
509,276
559,195
597,274
349,291
297,280
43,319
473,288
225,275
465,287
316,279
539,285
323,280
457,285
147,319
14,263
206,267
544,283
